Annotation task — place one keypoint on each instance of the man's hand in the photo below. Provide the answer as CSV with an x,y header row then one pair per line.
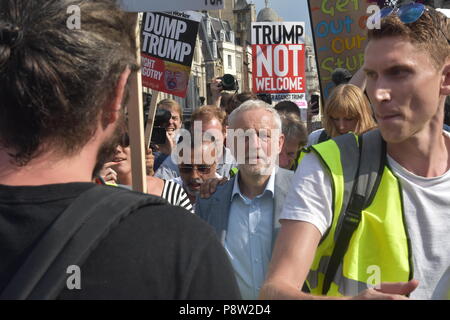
x,y
216,89
209,186
389,291
170,143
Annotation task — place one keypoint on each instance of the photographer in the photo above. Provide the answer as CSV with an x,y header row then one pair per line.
x,y
219,85
171,124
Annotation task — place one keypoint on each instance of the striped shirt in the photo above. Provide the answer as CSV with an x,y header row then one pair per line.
x,y
175,195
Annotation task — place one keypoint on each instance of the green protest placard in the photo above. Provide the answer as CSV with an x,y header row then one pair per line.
x,y
340,36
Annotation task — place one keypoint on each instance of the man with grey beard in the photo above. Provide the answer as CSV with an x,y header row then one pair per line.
x,y
244,211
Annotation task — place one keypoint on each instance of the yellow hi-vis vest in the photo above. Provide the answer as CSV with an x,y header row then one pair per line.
x,y
379,249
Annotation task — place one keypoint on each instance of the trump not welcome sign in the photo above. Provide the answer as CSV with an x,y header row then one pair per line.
x,y
279,57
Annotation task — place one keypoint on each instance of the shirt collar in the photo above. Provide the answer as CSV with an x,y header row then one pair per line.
x,y
270,186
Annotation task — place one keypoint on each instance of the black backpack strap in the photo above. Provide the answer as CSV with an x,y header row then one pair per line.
x,y
70,240
323,137
371,162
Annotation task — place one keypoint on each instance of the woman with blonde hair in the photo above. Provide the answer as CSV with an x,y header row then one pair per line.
x,y
346,110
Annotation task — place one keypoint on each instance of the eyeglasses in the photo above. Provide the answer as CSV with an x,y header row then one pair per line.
x,y
407,13
188,168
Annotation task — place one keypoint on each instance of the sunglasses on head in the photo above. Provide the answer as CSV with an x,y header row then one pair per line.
x,y
188,168
407,13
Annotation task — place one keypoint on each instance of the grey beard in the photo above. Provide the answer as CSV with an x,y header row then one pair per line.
x,y
190,191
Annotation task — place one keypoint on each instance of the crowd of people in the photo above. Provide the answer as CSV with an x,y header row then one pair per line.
x,y
246,203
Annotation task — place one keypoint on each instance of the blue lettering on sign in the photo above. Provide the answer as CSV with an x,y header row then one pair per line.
x,y
319,33
336,27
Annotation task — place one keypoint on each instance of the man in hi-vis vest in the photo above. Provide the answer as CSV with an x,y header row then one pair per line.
x,y
397,244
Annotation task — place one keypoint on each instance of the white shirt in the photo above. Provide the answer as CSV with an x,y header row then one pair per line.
x,y
426,206
314,136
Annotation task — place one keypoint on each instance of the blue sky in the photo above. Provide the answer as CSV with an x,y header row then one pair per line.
x,y
289,10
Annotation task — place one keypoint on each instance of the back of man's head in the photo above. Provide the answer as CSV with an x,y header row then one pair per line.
x,y
340,76
55,75
287,106
239,99
430,33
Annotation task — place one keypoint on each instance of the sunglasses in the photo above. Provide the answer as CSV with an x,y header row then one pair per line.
x,y
188,168
407,13
125,140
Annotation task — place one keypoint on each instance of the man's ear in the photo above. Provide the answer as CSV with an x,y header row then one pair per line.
x,y
445,86
112,109
281,141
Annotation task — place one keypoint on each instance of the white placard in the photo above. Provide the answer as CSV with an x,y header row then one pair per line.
x,y
170,5
278,32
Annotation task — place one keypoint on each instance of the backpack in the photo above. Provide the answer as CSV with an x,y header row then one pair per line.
x,y
363,163
323,137
70,240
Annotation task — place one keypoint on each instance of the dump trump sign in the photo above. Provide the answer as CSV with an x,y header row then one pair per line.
x,y
168,43
279,57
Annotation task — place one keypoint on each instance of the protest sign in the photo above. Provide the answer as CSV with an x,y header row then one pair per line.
x,y
168,43
135,109
170,5
340,36
298,98
279,57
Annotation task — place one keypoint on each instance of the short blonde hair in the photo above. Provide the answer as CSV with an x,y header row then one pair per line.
x,y
171,104
348,100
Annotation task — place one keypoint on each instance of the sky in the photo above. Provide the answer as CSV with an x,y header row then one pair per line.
x,y
289,10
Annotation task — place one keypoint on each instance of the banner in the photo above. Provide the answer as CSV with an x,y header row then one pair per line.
x,y
170,5
279,57
298,98
168,43
340,36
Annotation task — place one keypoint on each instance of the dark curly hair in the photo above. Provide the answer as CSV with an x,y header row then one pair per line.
x,y
54,81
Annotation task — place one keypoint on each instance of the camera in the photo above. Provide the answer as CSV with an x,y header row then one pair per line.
x,y
161,121
229,83
162,118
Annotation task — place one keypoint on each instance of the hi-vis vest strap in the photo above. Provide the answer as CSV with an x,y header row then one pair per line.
x,y
379,248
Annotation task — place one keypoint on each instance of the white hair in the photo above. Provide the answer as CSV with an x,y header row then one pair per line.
x,y
254,105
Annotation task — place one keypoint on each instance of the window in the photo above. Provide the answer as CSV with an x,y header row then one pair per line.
x,y
230,63
238,64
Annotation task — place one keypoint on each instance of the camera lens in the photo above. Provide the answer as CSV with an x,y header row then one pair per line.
x,y
228,82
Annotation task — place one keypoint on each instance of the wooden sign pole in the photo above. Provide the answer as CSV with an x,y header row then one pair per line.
x,y
136,119
151,118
